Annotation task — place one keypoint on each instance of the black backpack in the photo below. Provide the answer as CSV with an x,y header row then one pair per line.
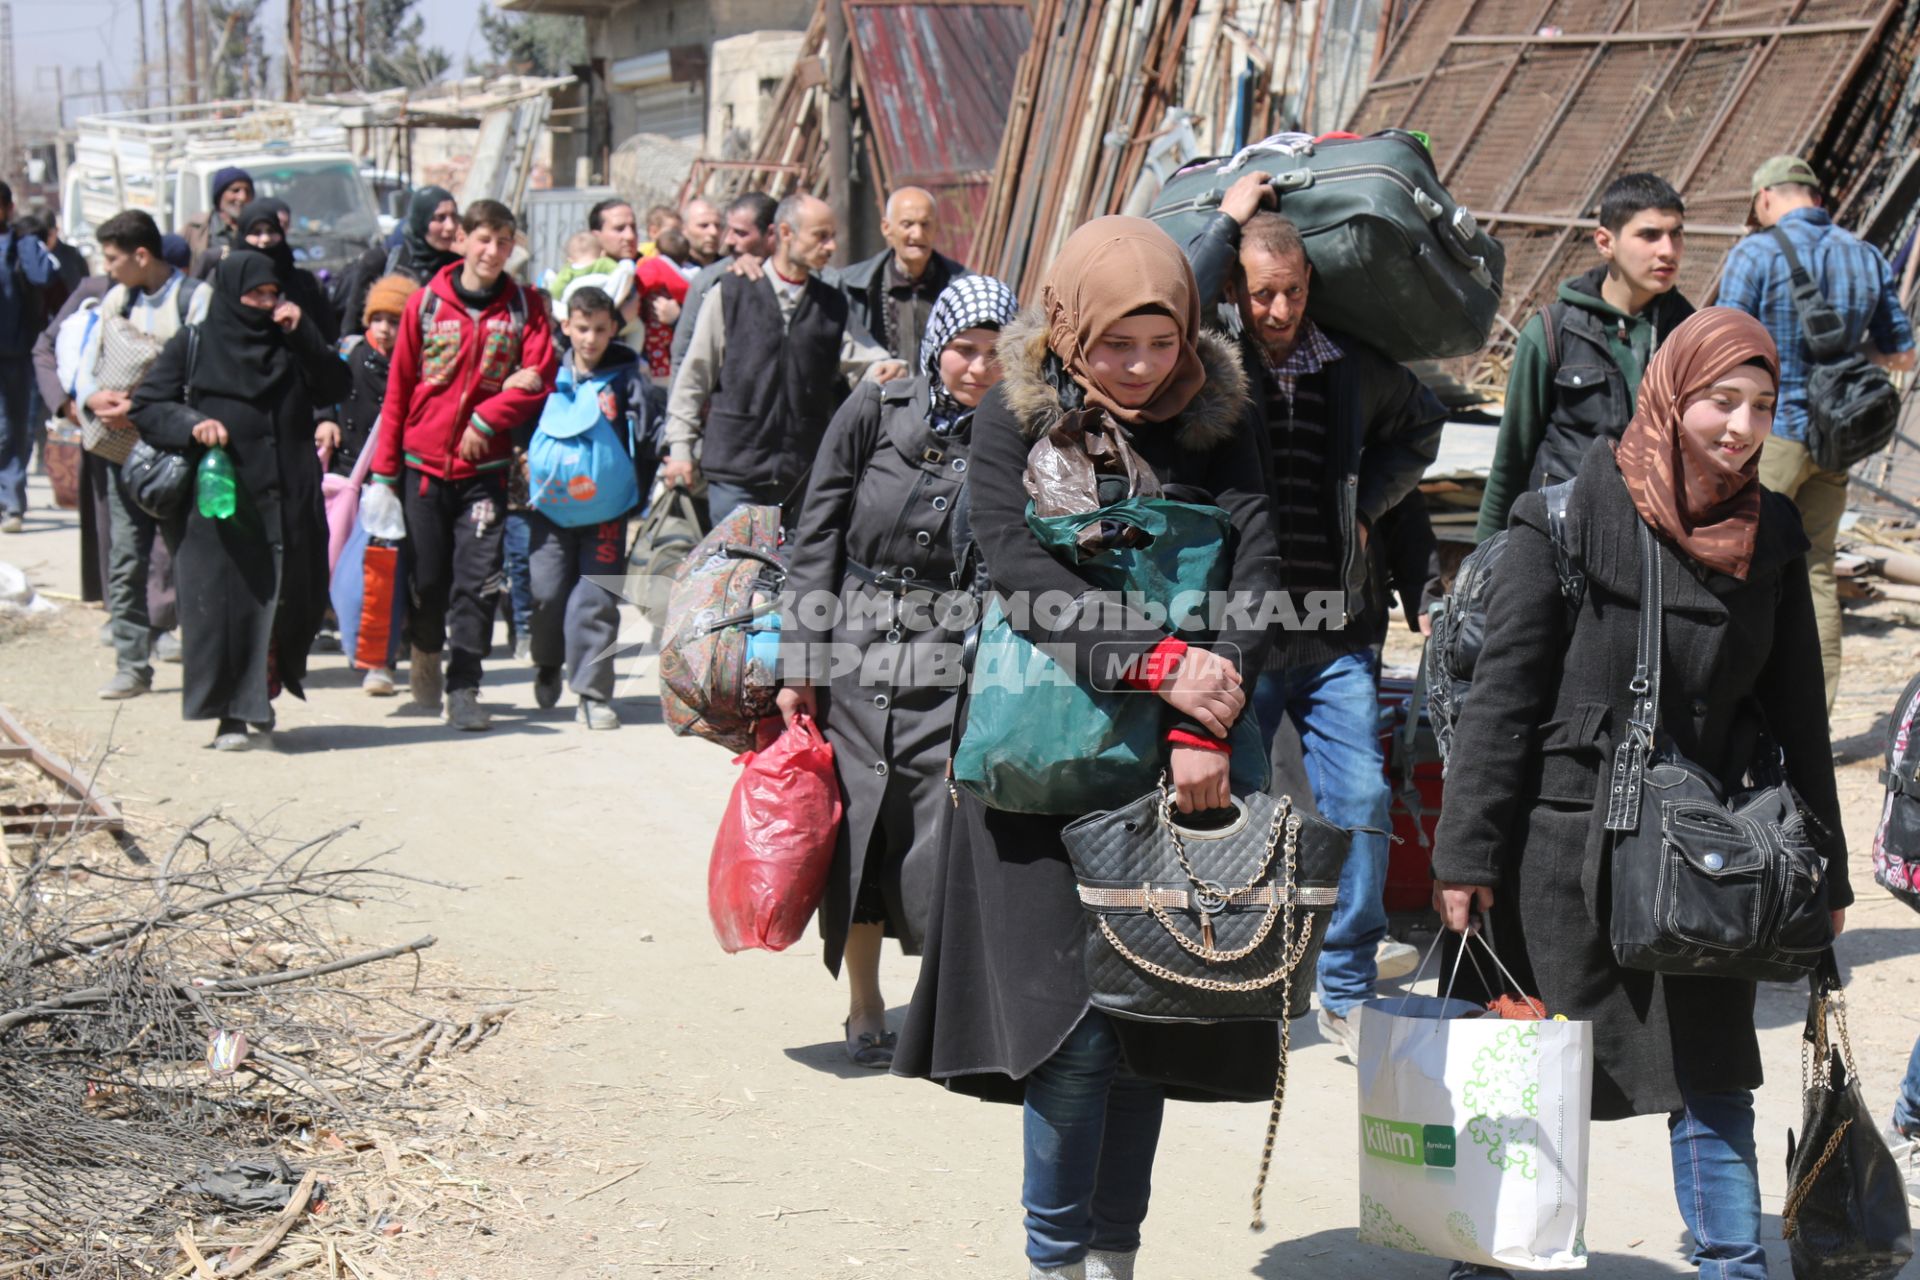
x,y
1460,626
1896,843
1852,405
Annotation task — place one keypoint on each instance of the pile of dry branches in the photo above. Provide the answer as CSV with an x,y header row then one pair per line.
x,y
163,1016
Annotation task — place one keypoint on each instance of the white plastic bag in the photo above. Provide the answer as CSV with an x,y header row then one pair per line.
x,y
1474,1134
380,512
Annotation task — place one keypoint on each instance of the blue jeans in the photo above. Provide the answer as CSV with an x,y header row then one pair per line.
x,y
1717,1181
16,432
1090,1131
1906,1109
724,499
1336,707
519,542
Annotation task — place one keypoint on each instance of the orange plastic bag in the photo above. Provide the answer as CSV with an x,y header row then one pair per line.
x,y
775,843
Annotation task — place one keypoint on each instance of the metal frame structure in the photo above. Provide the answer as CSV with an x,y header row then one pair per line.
x,y
1534,106
85,810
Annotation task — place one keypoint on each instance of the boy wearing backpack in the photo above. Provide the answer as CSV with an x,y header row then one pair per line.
x,y
454,403
582,487
1577,362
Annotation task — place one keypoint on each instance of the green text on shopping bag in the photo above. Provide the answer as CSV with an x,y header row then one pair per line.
x,y
1432,1145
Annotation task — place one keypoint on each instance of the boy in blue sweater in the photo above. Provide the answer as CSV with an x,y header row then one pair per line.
x,y
582,487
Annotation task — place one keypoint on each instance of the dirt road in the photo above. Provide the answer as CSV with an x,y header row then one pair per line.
x,y
762,1152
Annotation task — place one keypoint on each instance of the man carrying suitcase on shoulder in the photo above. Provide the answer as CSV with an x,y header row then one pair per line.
x,y
1348,432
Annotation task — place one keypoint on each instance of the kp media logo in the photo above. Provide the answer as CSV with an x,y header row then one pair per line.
x,y
1430,1145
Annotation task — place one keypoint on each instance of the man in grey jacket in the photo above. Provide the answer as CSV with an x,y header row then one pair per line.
x,y
893,292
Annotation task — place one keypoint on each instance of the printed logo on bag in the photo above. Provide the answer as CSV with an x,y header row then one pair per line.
x,y
1433,1146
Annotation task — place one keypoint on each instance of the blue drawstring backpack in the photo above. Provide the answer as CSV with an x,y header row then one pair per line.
x,y
578,472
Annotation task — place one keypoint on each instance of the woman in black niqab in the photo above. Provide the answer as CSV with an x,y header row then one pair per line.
x,y
253,587
297,285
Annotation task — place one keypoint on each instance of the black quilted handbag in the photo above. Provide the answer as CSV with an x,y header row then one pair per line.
x,y
1204,925
158,480
1705,883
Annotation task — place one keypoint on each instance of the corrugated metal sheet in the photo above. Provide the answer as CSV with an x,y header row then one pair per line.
x,y
938,80
1535,105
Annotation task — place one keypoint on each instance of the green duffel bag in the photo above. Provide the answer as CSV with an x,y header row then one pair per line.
x,y
1038,741
1396,259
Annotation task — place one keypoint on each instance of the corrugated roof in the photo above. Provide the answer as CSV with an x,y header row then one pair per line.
x,y
938,81
1535,105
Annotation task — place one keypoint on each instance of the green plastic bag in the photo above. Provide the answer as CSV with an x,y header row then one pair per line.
x,y
1037,741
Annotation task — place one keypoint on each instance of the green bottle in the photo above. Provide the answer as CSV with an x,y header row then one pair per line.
x,y
215,489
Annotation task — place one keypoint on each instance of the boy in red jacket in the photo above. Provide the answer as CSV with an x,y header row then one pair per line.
x,y
455,391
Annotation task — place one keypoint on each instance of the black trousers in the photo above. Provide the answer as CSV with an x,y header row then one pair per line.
x,y
454,554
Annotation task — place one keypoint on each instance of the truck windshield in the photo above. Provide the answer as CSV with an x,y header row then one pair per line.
x,y
328,198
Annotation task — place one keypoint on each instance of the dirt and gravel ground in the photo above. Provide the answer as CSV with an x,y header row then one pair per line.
x,y
717,1082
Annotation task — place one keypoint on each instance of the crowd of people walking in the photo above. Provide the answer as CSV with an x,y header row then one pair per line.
x,y
498,439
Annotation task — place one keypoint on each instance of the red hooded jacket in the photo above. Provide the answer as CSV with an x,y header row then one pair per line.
x,y
438,386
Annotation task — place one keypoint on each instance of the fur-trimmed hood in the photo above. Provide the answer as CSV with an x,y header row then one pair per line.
x,y
1213,417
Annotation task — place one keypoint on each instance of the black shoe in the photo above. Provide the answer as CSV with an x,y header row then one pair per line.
x,y
231,736
546,687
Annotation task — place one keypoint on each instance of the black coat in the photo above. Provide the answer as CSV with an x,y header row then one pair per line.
x,y
879,502
1003,981
367,388
1534,758
252,588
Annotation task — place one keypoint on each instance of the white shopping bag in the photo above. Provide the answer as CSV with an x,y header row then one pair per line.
x,y
1473,1134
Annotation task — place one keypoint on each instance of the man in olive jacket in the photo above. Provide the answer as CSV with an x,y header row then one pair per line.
x,y
1349,434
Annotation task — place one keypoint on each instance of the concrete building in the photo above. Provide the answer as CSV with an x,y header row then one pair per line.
x,y
702,72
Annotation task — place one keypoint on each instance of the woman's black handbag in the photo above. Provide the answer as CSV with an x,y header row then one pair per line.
x,y
1846,1212
158,480
1706,883
1193,924
1204,925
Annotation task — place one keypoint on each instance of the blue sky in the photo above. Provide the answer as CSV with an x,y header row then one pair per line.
x,y
79,34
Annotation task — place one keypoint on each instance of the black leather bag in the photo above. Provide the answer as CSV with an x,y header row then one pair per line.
x,y
1846,1214
1852,405
158,480
1205,925
1706,883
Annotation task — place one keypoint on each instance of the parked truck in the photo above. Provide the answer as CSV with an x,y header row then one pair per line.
x,y
163,160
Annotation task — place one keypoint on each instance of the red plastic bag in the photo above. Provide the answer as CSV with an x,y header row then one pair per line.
x,y
775,844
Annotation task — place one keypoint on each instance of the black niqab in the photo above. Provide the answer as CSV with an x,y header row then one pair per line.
x,y
242,353
267,209
426,260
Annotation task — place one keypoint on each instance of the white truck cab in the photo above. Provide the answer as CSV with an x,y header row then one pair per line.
x,y
163,160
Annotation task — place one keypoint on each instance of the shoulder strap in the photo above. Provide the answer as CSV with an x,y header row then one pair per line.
x,y
1573,583
185,288
1636,747
1550,326
193,360
1825,332
428,306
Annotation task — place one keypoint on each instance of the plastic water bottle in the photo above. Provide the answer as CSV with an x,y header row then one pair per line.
x,y
216,489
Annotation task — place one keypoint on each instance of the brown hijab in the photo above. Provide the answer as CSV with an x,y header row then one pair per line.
x,y
1683,488
1109,269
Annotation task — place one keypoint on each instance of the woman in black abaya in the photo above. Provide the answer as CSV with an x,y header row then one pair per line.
x,y
252,587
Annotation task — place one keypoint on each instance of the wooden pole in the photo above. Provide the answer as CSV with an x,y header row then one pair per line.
x,y
193,50
839,126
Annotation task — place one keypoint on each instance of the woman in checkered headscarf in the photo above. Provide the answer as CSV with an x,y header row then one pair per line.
x,y
865,650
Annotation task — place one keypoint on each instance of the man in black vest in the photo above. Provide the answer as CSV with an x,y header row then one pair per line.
x,y
762,374
1576,381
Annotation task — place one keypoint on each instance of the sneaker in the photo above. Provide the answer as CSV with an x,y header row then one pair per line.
x,y
231,736
1395,959
166,648
1339,1031
1463,1270
13,524
597,713
546,687
523,651
379,683
326,642
424,680
124,685
465,713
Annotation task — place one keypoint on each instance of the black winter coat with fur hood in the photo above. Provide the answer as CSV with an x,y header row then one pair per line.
x,y
1003,982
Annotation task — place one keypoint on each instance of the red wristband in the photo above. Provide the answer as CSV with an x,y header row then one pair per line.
x,y
1156,666
1199,741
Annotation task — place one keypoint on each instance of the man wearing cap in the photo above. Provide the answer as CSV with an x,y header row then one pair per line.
x,y
1859,285
210,235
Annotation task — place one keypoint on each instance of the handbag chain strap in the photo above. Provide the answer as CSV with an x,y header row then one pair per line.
x,y
1631,756
1816,1071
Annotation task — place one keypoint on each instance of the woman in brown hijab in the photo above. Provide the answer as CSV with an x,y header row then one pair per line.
x,y
1522,832
1002,1008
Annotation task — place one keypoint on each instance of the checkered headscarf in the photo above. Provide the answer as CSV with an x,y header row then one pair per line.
x,y
971,302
